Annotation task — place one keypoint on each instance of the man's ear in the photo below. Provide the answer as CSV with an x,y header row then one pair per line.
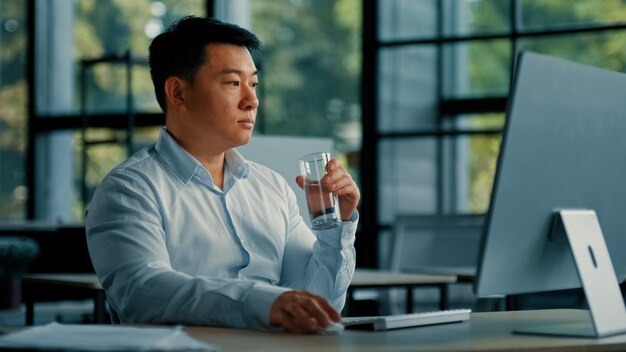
x,y
174,91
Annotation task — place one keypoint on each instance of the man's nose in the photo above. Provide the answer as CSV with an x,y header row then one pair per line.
x,y
249,100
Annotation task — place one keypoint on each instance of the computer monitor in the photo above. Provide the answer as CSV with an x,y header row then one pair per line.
x,y
561,172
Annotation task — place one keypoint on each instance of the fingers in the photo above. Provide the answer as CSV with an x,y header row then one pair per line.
x,y
321,310
339,181
302,312
300,181
298,320
337,177
340,184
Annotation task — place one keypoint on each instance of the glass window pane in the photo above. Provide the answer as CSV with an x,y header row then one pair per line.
x,y
143,90
144,136
101,158
310,69
109,76
598,49
475,158
407,19
384,245
477,69
483,157
115,27
407,88
407,177
555,14
13,110
466,17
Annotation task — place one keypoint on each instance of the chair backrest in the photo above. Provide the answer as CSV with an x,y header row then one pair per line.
x,y
447,244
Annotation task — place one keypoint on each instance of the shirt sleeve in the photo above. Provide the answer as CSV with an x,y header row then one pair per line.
x,y
321,262
127,245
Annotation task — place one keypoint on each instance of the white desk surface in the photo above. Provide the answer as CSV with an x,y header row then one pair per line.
x,y
483,332
79,280
462,273
373,277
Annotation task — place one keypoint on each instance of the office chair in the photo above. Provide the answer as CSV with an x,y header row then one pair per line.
x,y
437,244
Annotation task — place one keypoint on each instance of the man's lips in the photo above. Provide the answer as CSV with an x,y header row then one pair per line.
x,y
249,123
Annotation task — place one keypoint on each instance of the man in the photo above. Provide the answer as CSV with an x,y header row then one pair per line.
x,y
187,231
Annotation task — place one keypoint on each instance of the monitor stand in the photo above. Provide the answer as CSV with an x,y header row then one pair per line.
x,y
595,269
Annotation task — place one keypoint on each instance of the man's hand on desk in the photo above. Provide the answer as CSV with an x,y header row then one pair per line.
x,y
302,312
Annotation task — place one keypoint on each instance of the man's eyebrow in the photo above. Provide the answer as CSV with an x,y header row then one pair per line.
x,y
236,71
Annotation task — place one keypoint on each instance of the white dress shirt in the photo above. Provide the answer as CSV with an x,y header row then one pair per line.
x,y
170,247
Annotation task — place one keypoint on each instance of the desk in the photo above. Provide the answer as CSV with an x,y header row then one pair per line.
x,y
370,278
54,287
465,274
484,332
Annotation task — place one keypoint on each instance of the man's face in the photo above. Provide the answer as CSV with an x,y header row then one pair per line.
x,y
222,101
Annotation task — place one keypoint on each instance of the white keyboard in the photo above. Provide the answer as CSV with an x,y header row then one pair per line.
x,y
386,322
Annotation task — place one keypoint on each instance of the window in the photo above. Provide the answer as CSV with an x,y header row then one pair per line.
x,y
441,73
13,110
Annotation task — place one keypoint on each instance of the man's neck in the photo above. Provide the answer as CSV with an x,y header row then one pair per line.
x,y
212,160
216,170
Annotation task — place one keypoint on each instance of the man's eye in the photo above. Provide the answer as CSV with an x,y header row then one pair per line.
x,y
234,83
255,84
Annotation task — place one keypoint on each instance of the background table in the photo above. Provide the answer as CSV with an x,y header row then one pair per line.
x,y
380,279
54,287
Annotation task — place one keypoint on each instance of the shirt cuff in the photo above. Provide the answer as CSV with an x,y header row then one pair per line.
x,y
258,304
341,236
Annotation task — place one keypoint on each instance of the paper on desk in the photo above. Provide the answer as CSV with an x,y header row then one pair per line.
x,y
104,338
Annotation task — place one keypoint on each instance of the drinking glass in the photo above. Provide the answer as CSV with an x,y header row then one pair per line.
x,y
321,203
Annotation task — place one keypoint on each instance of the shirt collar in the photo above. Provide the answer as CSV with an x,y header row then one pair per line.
x,y
185,165
236,163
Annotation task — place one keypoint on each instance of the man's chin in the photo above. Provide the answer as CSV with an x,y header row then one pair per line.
x,y
243,140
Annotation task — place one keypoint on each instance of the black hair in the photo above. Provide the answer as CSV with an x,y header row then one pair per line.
x,y
180,51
